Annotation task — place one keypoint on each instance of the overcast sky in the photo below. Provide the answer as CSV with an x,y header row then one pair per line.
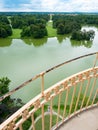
x,y
49,5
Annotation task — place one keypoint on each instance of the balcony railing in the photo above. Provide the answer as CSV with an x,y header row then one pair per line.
x,y
74,94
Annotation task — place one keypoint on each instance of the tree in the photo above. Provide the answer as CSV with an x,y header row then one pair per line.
x,y
91,34
60,29
8,30
3,32
83,35
25,32
35,31
67,28
38,31
7,106
4,83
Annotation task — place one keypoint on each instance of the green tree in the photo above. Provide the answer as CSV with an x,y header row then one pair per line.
x,y
60,29
83,35
25,32
38,31
8,30
35,31
4,83
7,106
3,32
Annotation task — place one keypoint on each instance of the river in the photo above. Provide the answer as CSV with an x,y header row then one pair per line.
x,y
22,59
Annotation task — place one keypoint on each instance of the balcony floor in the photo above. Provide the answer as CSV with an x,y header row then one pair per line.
x,y
87,120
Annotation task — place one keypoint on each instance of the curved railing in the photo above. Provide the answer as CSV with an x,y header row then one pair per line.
x,y
74,94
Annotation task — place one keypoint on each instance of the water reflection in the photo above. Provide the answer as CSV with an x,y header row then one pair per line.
x,y
87,44
5,42
60,38
35,42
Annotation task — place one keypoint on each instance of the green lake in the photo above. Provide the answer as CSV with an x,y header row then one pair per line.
x,y
21,59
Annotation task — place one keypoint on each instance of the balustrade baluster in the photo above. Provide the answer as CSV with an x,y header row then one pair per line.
x,y
96,93
20,127
79,93
86,89
74,91
58,109
51,112
65,104
33,124
43,125
92,90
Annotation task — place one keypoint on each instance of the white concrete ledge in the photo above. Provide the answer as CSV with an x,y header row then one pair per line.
x,y
87,120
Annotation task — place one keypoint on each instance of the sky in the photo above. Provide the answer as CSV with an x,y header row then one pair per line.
x,y
49,5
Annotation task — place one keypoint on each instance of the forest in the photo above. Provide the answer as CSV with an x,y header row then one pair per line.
x,y
31,25
5,28
67,24
35,25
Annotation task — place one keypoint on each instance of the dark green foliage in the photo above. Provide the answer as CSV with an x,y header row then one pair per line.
x,y
19,21
66,26
71,24
83,35
8,106
25,32
4,83
4,110
38,31
31,25
35,31
3,32
60,29
3,19
5,28
27,124
79,19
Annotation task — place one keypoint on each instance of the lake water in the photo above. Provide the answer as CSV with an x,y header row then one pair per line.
x,y
22,59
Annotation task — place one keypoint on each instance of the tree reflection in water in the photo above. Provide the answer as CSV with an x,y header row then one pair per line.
x,y
4,42
35,42
87,44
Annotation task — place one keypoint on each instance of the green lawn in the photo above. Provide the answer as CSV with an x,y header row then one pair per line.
x,y
16,33
51,31
38,125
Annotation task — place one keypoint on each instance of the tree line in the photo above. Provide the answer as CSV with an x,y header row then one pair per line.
x,y
5,28
31,25
83,35
72,24
34,25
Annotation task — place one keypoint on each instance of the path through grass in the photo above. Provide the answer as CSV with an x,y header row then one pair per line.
x,y
16,34
51,31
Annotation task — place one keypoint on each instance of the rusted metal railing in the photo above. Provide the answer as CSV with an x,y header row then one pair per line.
x,y
75,94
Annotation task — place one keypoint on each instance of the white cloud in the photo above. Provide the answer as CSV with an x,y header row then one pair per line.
x,y
84,5
54,5
68,5
49,4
